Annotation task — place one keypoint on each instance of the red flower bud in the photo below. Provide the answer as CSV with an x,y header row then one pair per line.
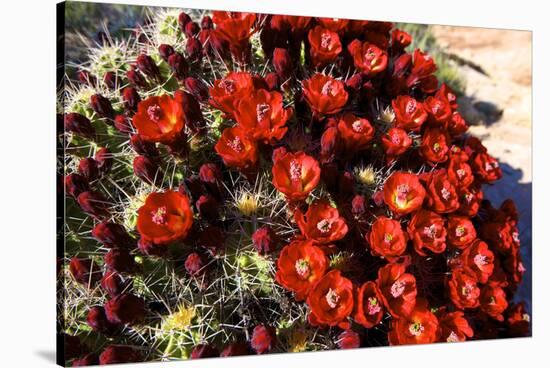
x,y
149,248
349,339
76,184
123,124
263,339
131,99
197,88
147,65
104,159
98,321
112,235
114,354
282,63
191,110
235,349
84,271
102,106
147,170
93,203
165,51
183,19
86,360
207,207
194,264
193,48
114,284
211,176
265,240
79,124
206,22
272,81
125,308
120,260
143,147
86,78
178,65
204,351
135,78
87,167
191,29
111,80
358,205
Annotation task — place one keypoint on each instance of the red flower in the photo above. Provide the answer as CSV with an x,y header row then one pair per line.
x,y
398,289
427,230
387,239
369,308
159,119
459,172
435,146
295,175
486,167
457,125
349,339
409,113
518,320
460,231
367,57
165,217
400,39
446,93
324,95
453,327
478,259
334,24
403,192
262,116
300,265
395,142
439,110
355,132
236,29
442,196
325,46
470,200
419,327
236,149
263,339
297,24
116,354
226,92
321,223
493,301
463,289
331,300
423,68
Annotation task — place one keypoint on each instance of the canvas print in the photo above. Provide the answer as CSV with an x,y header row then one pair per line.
x,y
240,183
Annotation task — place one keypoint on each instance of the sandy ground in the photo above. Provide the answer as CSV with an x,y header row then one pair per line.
x,y
497,103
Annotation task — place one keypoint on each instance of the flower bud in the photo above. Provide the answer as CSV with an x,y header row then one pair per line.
x,y
136,78
120,260
193,185
86,360
111,80
87,167
183,19
355,82
197,88
178,65
206,22
263,339
191,29
112,235
86,78
211,176
114,284
282,63
149,248
278,153
79,124
265,240
358,205
102,106
116,354
272,81
131,99
147,170
125,309
93,203
123,124
98,321
165,51
194,264
330,145
143,147
193,48
84,271
191,110
207,207
76,184
104,159
147,65
204,351
235,349
349,339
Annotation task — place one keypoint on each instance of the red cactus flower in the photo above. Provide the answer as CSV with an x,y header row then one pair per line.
x,y
486,167
325,46
398,289
331,300
97,320
356,133
439,110
301,264
165,217
463,289
236,29
226,92
403,192
460,231
262,116
367,57
435,146
263,339
334,24
478,259
369,308
236,149
409,113
386,238
493,301
296,175
265,240
427,230
419,327
442,196
396,142
325,95
349,339
159,119
459,172
453,327
321,223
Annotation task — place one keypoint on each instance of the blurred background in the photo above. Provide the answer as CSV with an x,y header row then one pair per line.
x,y
490,69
